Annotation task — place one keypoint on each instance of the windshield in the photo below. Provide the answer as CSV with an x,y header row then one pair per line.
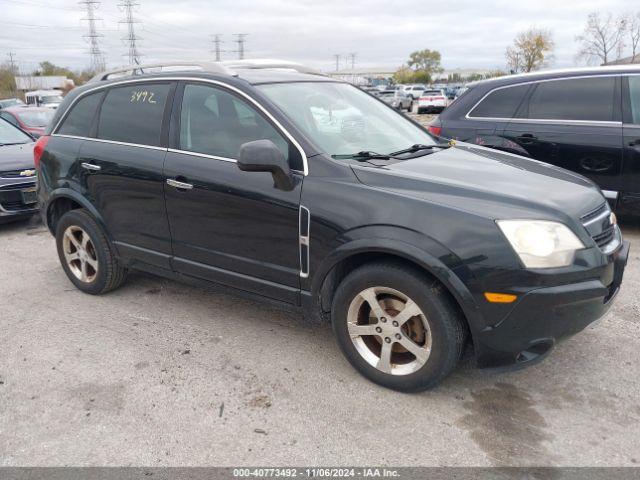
x,y
35,118
12,135
342,120
51,99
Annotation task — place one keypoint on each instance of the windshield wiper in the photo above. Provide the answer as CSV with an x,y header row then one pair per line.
x,y
417,147
365,156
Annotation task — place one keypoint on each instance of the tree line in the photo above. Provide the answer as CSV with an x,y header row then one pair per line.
x,y
605,38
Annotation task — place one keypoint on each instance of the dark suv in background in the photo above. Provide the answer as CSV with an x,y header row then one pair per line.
x,y
584,120
307,192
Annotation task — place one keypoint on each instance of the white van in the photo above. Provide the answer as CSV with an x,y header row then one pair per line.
x,y
44,98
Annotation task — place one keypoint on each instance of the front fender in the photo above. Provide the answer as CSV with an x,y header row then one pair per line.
x,y
423,251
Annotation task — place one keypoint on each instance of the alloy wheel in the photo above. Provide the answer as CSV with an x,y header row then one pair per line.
x,y
80,254
389,330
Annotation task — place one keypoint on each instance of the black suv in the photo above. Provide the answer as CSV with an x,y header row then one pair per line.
x,y
585,120
295,188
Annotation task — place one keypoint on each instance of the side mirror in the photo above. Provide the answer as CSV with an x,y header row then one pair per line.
x,y
264,156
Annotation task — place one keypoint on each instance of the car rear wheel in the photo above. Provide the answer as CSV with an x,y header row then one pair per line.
x,y
397,327
86,255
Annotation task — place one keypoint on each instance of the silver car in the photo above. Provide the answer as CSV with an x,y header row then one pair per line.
x,y
396,98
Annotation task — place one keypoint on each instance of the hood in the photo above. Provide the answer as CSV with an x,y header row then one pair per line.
x,y
492,183
16,157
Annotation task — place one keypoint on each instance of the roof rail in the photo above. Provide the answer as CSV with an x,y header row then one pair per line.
x,y
133,70
264,63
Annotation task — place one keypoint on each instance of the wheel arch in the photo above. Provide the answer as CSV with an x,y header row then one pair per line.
x,y
64,200
359,252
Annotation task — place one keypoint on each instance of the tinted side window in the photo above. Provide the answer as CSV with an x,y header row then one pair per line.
x,y
634,95
215,122
501,103
78,121
574,99
133,114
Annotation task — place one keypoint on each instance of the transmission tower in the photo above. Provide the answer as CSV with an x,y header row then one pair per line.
x,y
240,39
352,59
97,58
215,39
131,38
337,57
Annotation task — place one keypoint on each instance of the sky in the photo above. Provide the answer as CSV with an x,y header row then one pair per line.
x,y
382,33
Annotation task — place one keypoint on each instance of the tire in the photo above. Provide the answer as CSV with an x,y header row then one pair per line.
x,y
442,343
86,255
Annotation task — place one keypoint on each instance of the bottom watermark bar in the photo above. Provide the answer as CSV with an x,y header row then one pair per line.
x,y
407,473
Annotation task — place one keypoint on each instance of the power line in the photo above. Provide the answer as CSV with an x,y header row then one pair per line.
x,y
97,57
131,38
215,38
240,39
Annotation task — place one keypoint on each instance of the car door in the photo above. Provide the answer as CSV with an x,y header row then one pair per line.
x,y
573,123
229,226
630,181
484,122
120,169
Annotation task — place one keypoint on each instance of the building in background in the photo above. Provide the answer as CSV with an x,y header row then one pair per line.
x,y
365,76
625,61
29,83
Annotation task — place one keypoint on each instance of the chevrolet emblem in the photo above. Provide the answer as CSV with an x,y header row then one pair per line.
x,y
27,173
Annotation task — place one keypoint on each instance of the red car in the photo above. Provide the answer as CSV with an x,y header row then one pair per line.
x,y
32,120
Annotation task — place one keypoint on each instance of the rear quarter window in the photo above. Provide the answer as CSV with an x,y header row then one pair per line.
x,y
574,99
79,119
500,103
133,114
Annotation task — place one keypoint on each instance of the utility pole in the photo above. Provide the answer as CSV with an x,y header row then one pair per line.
x,y
352,58
14,71
337,57
215,38
131,38
240,39
97,58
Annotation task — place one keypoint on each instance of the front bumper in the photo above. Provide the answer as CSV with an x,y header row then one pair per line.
x,y
544,316
12,201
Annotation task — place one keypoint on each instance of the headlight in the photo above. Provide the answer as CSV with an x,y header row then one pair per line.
x,y
540,243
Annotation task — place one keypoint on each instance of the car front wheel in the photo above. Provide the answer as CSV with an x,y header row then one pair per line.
x,y
397,327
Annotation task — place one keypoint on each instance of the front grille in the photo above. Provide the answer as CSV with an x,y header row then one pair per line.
x,y
598,224
605,237
11,200
593,214
15,174
15,205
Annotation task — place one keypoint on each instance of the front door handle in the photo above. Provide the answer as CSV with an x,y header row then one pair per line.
x,y
179,185
91,166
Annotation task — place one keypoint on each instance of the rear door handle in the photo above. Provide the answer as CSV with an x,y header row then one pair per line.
x,y
179,185
527,138
91,166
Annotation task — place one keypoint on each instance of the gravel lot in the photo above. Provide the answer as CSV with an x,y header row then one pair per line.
x,y
159,373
